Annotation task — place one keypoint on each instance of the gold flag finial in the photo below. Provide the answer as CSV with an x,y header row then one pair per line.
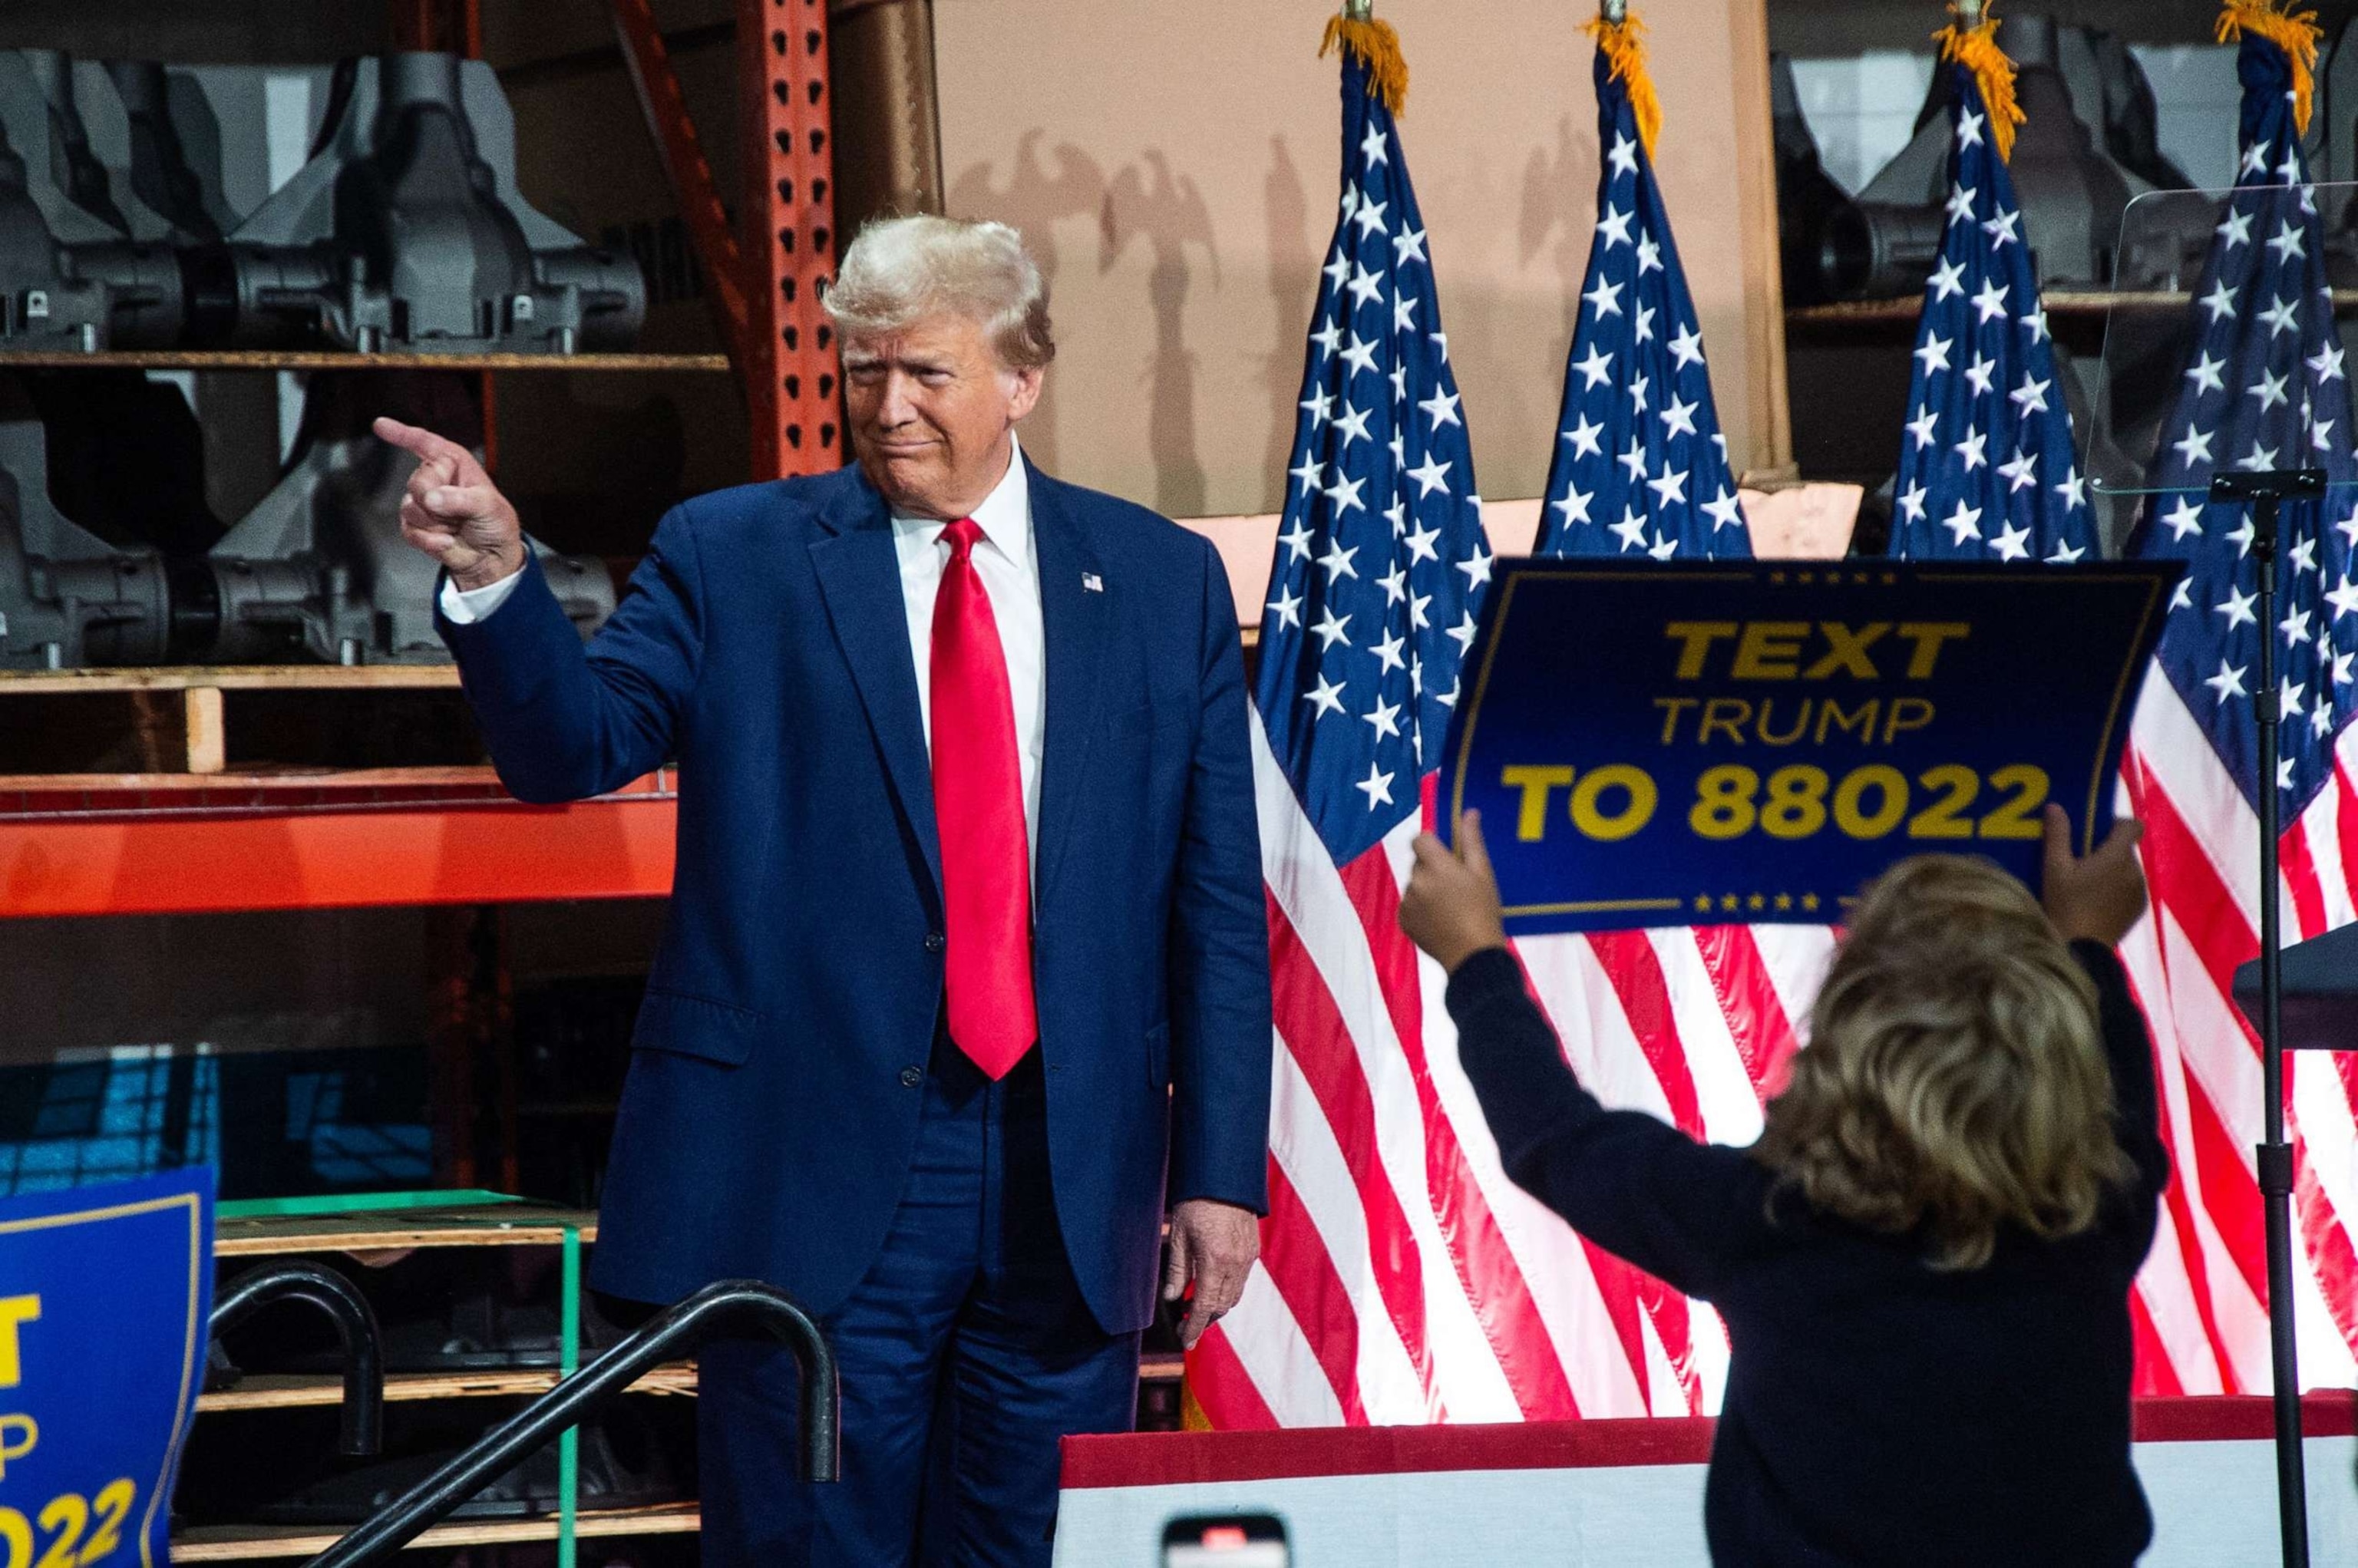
x,y
1621,39
1972,41
1373,44
2295,32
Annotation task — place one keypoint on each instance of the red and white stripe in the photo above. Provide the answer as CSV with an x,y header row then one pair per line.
x,y
1406,1280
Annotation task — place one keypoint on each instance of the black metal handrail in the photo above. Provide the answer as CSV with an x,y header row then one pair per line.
x,y
733,1309
363,1427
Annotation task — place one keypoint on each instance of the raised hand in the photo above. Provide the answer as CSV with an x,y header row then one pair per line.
x,y
2097,896
1451,907
452,511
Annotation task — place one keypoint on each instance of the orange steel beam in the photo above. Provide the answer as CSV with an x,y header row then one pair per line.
x,y
613,848
690,177
786,116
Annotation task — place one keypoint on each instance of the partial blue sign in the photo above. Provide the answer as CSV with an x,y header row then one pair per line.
x,y
105,1295
1657,744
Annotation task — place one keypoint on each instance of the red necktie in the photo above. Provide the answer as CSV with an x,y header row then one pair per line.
x,y
979,806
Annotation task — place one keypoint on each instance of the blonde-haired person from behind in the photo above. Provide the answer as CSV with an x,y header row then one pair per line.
x,y
1924,1264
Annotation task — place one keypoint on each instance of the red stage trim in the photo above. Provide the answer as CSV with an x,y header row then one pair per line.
x,y
1162,1459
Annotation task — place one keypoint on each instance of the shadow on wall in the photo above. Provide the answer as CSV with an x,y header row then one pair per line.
x,y
1558,194
1292,281
1034,200
1167,215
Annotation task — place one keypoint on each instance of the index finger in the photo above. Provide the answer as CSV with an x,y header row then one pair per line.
x,y
423,443
2056,850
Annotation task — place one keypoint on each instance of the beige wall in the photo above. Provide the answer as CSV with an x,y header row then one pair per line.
x,y
1175,166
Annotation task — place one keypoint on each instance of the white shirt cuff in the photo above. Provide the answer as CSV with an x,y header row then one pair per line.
x,y
464,607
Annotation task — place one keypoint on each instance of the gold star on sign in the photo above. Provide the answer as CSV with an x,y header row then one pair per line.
x,y
1756,902
1776,577
1890,577
1702,902
1808,577
1727,900
1784,901
1808,900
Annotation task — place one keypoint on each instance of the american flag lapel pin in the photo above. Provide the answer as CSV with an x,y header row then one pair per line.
x,y
1092,583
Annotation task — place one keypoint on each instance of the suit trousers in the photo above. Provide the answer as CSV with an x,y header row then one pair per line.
x,y
966,1352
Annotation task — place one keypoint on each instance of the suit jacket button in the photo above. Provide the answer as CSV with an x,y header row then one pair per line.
x,y
912,1077
935,941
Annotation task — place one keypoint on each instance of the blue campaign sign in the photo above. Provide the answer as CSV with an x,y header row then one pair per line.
x,y
104,1294
1652,744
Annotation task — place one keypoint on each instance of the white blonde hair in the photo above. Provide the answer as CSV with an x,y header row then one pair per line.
x,y
901,270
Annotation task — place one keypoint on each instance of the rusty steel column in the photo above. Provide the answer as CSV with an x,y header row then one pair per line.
x,y
786,232
888,155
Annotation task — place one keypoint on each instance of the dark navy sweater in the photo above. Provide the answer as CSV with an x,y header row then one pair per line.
x,y
1879,1410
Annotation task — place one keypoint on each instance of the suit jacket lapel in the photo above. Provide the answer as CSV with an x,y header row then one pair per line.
x,y
1076,625
860,576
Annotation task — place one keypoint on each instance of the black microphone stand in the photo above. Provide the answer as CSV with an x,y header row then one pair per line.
x,y
2263,491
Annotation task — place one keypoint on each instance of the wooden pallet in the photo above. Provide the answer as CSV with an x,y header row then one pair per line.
x,y
205,720
291,1390
251,1542
478,1224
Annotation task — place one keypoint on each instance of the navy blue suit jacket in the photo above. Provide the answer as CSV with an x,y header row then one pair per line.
x,y
776,1073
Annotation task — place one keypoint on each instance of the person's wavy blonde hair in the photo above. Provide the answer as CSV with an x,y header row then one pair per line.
x,y
1955,1079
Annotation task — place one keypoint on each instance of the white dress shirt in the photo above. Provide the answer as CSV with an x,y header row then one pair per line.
x,y
1009,564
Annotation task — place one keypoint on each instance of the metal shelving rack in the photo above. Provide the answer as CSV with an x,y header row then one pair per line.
x,y
199,837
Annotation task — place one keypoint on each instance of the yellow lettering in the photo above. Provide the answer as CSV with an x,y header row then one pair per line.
x,y
1727,713
1531,818
1671,707
1629,818
1846,650
13,1310
1928,636
1698,636
1801,722
18,1436
1906,713
1831,715
1769,650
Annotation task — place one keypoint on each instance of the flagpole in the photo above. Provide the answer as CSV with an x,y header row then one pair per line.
x,y
2263,491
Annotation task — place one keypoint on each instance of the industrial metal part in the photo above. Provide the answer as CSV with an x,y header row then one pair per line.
x,y
67,596
406,228
317,569
2088,146
71,276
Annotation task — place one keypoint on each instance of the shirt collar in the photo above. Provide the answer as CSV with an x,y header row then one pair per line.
x,y
1004,516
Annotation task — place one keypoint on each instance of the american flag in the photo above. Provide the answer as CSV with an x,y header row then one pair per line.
x,y
1639,463
1403,1278
2264,387
1986,468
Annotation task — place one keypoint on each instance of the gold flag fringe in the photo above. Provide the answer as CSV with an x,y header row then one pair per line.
x,y
1377,47
1975,48
1624,48
2295,32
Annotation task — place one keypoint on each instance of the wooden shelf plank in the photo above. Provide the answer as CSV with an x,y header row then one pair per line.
x,y
487,1225
230,677
2065,302
249,1543
312,359
288,1391
287,779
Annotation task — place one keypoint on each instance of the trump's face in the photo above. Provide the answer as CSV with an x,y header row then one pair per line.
x,y
931,408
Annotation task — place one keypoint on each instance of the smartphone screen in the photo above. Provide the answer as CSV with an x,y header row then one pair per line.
x,y
1225,1541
